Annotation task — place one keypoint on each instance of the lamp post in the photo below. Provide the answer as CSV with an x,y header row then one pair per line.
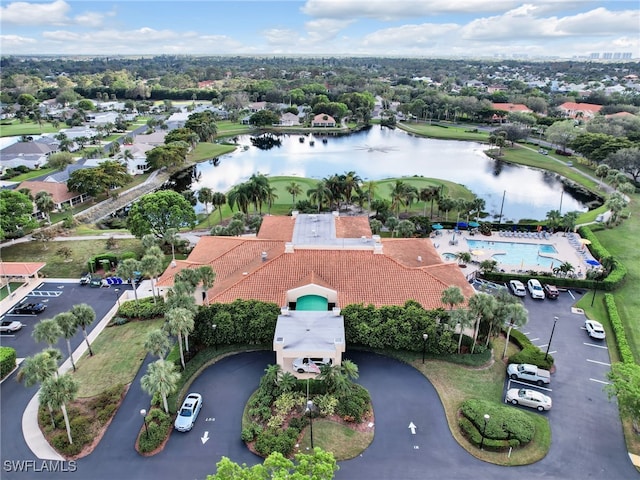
x,y
484,429
117,292
215,336
424,345
143,412
555,319
309,410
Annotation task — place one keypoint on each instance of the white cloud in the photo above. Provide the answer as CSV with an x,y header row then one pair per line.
x,y
601,22
398,9
16,41
24,13
90,19
411,35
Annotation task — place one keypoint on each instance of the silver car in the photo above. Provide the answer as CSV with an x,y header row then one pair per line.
x,y
188,412
528,398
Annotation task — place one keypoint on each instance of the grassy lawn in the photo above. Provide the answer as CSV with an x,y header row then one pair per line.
x,y
445,132
4,291
118,353
205,151
228,128
56,266
15,128
32,174
344,442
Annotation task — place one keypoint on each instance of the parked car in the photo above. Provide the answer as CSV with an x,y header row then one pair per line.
x,y
595,329
95,282
535,289
528,398
517,287
8,326
29,309
302,365
85,279
188,412
551,291
529,373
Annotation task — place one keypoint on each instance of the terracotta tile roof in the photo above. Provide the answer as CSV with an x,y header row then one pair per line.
x,y
352,227
277,228
511,107
580,107
58,191
20,269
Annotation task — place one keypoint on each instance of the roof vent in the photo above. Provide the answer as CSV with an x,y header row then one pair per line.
x,y
263,255
419,258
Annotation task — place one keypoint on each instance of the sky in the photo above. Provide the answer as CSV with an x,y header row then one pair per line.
x,y
394,28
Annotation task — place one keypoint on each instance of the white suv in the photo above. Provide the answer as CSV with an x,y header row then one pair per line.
x,y
535,289
310,365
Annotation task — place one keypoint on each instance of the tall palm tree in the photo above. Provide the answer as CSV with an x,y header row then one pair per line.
x,y
128,269
351,182
85,315
157,343
171,237
57,392
320,194
205,196
180,322
68,326
207,277
240,195
460,318
482,306
271,198
369,187
44,202
258,185
515,316
152,265
35,370
478,205
447,204
218,199
294,189
47,331
452,296
161,378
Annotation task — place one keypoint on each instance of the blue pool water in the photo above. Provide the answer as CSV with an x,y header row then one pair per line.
x,y
515,253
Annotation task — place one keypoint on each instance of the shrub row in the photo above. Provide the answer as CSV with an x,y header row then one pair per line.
x,y
144,308
7,360
618,329
529,353
618,272
158,428
507,427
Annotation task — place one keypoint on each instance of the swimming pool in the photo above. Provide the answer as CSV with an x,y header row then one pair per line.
x,y
516,253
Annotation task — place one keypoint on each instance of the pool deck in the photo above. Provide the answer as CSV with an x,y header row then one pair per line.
x,y
567,245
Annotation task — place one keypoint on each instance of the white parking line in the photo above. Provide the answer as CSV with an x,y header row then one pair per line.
x,y
534,339
599,363
542,346
599,381
530,385
596,346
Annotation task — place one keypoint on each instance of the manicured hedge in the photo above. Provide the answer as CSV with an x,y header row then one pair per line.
x,y
144,308
7,361
618,329
507,427
529,352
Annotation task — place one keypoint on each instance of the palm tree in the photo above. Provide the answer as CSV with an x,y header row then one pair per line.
x,y
370,188
44,202
463,258
478,205
294,189
350,182
240,195
616,203
151,264
392,224
171,236
85,315
47,331
128,269
320,194
447,204
68,326
452,296
218,199
460,318
516,316
269,383
207,277
162,379
482,306
157,343
205,196
57,392
287,382
180,322
37,369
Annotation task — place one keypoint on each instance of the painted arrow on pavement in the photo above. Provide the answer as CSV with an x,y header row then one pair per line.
x,y
205,437
412,427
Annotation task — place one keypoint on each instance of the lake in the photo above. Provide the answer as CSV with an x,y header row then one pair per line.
x,y
379,153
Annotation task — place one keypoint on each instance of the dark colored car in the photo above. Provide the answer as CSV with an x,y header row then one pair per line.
x,y
551,291
29,309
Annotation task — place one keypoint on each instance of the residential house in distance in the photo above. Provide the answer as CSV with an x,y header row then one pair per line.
x,y
33,155
312,265
508,108
59,192
584,111
289,119
323,120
